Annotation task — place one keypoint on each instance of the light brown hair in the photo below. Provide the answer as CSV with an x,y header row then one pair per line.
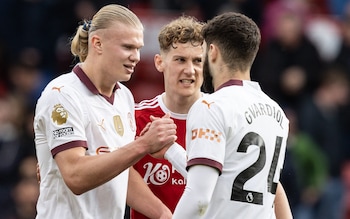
x,y
103,19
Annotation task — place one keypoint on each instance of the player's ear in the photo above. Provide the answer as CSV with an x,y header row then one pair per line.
x,y
96,43
158,62
213,52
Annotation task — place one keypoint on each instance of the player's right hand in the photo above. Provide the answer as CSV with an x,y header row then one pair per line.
x,y
161,133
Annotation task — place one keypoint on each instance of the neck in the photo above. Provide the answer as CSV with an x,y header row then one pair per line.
x,y
180,104
97,77
224,77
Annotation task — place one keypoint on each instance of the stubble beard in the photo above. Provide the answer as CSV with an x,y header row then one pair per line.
x,y
207,86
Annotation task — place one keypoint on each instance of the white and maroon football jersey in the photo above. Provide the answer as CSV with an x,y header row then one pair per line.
x,y
242,133
71,113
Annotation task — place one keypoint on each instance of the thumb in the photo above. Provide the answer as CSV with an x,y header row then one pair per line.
x,y
167,115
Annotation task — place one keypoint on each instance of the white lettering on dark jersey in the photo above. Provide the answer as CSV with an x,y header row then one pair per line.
x,y
178,181
159,174
63,132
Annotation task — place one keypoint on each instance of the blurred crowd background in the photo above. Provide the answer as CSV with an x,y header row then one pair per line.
x,y
303,63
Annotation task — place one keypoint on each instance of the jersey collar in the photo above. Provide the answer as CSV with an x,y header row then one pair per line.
x,y
230,83
88,83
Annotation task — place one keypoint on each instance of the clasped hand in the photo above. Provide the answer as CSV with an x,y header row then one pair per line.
x,y
161,134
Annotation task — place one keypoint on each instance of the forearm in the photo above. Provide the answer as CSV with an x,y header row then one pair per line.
x,y
282,208
198,192
82,173
138,192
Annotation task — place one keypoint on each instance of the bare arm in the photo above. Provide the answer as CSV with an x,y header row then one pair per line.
x,y
142,199
282,208
82,173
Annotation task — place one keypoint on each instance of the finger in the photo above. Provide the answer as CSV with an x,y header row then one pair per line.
x,y
145,129
167,115
153,118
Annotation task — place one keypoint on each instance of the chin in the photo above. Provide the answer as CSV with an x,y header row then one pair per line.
x,y
187,92
127,77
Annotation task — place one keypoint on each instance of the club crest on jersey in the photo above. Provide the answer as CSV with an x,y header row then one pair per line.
x,y
118,125
208,134
59,114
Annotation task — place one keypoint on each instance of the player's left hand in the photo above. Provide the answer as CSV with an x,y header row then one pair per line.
x,y
144,130
160,154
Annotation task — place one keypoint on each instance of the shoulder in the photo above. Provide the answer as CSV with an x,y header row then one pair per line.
x,y
148,104
207,101
146,108
64,84
206,105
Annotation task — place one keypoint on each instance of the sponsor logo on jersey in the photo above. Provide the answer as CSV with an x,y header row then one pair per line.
x,y
57,88
118,125
59,115
208,134
102,150
206,103
101,124
249,197
63,132
159,173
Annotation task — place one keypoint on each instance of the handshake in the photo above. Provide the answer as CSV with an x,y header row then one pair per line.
x,y
159,135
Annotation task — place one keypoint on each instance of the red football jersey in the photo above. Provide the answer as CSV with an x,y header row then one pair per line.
x,y
164,181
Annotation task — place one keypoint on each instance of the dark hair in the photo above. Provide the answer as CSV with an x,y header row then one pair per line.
x,y
237,37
